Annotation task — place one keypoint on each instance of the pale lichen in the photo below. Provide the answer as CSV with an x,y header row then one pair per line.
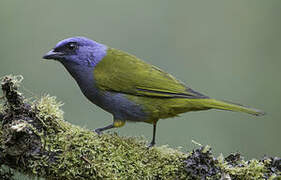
x,y
48,107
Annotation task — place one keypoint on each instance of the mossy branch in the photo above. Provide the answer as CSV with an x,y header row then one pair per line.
x,y
35,140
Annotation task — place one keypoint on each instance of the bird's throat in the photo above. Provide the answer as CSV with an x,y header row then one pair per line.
x,y
83,75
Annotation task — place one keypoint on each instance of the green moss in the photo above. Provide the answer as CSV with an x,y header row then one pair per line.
x,y
246,170
252,169
55,149
79,151
6,173
1,111
1,108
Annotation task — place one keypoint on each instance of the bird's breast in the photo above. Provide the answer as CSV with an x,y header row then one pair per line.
x,y
115,103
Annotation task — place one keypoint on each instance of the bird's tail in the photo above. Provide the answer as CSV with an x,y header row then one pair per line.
x,y
216,104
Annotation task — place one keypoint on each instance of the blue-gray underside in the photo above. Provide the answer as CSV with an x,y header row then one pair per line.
x,y
116,103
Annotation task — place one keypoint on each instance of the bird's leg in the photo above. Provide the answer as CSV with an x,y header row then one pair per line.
x,y
115,124
154,134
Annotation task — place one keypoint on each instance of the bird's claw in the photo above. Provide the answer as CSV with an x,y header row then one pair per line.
x,y
98,131
151,145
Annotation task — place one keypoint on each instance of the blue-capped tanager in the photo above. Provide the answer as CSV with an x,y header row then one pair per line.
x,y
129,88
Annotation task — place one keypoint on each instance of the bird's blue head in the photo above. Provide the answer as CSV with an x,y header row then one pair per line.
x,y
77,50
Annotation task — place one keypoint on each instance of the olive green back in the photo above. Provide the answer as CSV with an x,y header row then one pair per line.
x,y
157,92
121,72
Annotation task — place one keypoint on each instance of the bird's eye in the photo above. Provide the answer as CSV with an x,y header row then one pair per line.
x,y
71,46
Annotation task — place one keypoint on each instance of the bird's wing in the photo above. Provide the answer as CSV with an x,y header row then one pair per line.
x,y
121,72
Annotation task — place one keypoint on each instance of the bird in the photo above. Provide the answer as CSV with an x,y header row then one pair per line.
x,y
129,88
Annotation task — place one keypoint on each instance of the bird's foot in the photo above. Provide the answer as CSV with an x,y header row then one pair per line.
x,y
152,144
98,131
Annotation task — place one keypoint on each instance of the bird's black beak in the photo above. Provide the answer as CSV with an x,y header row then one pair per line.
x,y
53,55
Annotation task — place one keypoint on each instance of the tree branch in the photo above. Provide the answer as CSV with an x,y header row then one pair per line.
x,y
35,140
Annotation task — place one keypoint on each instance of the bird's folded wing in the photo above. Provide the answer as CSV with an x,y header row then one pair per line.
x,y
121,72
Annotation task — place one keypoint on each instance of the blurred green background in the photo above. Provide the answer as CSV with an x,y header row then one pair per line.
x,y
229,50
